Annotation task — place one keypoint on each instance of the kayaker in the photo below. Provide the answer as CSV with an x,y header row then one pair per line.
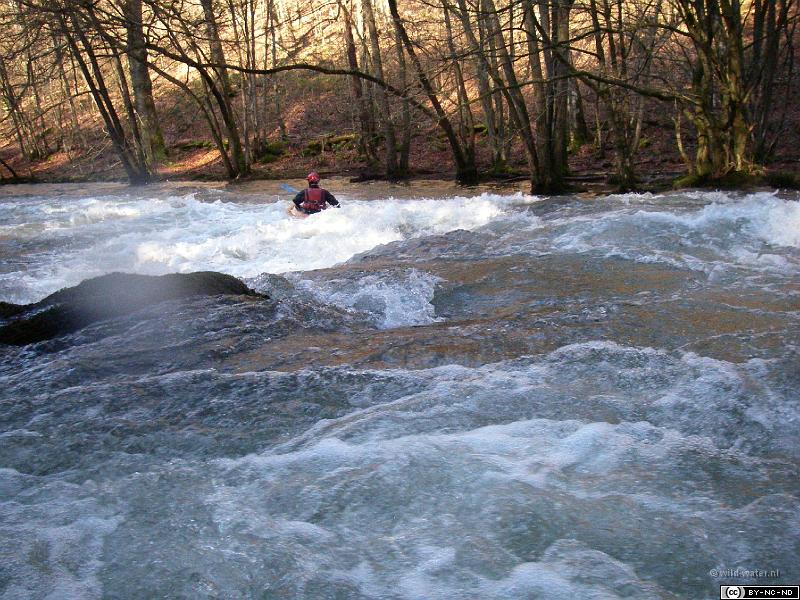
x,y
314,199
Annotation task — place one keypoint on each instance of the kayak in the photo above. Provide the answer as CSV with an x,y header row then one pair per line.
x,y
293,212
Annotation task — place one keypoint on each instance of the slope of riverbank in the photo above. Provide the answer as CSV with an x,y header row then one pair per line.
x,y
319,136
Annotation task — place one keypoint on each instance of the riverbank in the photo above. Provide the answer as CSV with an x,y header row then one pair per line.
x,y
195,159
195,167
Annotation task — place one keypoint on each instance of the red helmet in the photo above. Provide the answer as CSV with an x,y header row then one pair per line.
x,y
313,177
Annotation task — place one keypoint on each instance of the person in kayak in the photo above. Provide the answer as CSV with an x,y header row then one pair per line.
x,y
314,199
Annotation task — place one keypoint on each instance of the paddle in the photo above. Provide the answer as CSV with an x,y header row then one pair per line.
x,y
289,188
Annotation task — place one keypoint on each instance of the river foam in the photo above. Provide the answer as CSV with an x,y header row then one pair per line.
x,y
182,234
394,298
577,421
58,242
524,478
755,232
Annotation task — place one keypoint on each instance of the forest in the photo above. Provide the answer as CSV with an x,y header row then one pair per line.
x,y
499,87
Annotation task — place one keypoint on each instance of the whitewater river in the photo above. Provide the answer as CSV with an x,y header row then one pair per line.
x,y
451,394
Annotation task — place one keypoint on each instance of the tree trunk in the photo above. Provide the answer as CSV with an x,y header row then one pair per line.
x,y
405,115
138,173
540,105
580,129
510,88
466,171
366,132
720,114
387,128
273,20
151,132
13,109
224,93
466,122
10,170
560,24
487,95
67,91
125,94
240,42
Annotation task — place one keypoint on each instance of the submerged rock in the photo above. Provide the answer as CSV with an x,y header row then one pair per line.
x,y
106,297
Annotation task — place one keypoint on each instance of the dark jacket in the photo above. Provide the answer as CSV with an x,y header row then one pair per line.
x,y
301,196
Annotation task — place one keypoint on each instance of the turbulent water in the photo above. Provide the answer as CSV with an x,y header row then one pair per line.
x,y
467,394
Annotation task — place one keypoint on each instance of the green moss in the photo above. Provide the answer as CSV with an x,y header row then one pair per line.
x,y
738,179
687,181
312,149
500,169
235,79
330,143
277,147
338,142
195,145
734,179
269,152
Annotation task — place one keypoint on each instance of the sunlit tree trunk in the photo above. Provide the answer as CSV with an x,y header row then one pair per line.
x,y
493,118
366,133
225,92
466,122
12,106
507,81
721,116
137,171
127,101
67,92
272,25
387,128
405,115
773,22
540,92
466,170
151,132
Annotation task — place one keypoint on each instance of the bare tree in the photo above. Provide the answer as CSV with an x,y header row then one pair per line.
x,y
138,65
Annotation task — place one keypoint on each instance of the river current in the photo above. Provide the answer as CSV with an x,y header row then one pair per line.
x,y
451,393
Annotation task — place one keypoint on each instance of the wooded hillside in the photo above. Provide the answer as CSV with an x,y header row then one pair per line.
x,y
522,82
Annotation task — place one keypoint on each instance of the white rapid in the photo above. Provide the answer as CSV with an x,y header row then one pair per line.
x,y
747,231
450,395
64,240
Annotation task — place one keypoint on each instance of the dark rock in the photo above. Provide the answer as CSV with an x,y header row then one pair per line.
x,y
106,297
7,309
